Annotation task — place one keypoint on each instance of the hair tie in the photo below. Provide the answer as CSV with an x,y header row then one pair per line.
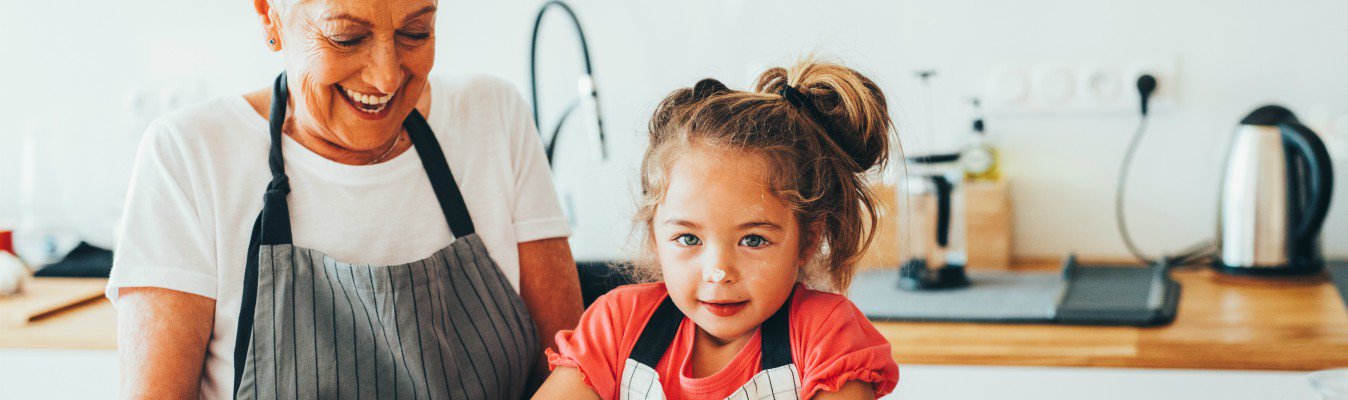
x,y
799,100
796,98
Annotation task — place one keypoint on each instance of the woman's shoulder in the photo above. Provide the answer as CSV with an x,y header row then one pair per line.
x,y
211,122
480,108
473,89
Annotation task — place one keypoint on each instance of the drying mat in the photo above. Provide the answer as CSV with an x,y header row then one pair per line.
x,y
1080,295
1338,273
995,296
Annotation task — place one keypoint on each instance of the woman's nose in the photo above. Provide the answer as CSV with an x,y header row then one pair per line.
x,y
384,70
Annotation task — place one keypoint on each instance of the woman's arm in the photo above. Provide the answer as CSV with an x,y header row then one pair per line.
x,y
161,342
550,287
852,390
565,383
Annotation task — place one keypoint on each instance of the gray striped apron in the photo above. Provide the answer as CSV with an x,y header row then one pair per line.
x,y
778,377
446,327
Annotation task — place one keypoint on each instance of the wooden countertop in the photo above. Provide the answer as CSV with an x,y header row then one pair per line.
x,y
91,325
1223,323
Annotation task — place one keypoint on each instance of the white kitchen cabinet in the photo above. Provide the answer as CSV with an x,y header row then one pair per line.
x,y
88,374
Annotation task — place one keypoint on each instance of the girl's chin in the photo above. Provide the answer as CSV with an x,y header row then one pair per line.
x,y
723,331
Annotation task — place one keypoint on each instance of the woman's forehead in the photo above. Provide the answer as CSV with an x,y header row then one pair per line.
x,y
364,12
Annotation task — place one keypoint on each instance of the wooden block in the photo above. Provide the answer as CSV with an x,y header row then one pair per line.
x,y
908,225
884,251
987,211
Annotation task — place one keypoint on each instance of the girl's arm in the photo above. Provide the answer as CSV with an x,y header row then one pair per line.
x,y
565,383
852,390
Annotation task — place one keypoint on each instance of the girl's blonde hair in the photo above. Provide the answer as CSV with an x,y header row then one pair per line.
x,y
821,126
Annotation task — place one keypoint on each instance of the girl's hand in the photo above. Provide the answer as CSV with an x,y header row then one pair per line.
x,y
850,390
565,383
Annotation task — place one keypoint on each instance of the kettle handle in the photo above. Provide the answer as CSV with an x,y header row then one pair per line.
x,y
1320,171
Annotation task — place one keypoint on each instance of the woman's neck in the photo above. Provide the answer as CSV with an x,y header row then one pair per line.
x,y
260,100
711,354
394,146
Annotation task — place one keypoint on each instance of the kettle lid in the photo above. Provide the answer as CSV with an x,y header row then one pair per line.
x,y
1269,115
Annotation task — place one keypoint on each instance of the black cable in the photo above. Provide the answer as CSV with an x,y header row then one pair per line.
x,y
533,70
1120,221
557,131
1146,85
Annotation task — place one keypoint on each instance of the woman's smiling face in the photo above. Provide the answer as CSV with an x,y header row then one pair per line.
x,y
718,213
356,68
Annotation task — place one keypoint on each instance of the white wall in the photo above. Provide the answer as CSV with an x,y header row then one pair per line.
x,y
70,67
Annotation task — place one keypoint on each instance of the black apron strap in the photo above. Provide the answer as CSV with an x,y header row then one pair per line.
x,y
657,334
776,337
437,169
272,226
275,210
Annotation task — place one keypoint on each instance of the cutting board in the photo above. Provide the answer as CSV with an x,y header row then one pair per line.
x,y
44,296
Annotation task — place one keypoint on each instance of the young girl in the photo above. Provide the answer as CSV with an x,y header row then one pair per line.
x,y
746,197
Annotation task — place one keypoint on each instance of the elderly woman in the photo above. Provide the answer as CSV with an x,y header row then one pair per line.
x,y
358,229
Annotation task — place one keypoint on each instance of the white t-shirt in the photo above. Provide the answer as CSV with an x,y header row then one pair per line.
x,y
200,173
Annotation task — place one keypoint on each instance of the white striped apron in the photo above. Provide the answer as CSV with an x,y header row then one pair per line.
x,y
778,377
311,327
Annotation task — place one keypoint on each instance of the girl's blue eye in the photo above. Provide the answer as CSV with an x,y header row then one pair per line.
x,y
754,241
688,240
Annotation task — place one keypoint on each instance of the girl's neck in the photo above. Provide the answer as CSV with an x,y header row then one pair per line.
x,y
711,354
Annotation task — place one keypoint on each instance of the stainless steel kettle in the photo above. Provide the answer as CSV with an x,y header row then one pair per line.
x,y
1274,196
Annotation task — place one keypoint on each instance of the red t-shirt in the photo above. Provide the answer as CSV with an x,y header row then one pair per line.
x,y
831,343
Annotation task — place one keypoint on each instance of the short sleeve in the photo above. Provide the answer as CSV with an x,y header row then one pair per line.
x,y
162,241
846,347
537,213
594,346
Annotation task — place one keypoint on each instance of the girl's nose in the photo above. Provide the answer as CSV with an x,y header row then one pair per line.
x,y
712,274
720,268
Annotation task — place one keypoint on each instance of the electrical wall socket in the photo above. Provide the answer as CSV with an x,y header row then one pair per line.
x,y
1164,70
1079,86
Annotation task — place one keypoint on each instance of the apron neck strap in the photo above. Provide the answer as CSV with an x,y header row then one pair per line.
x,y
442,179
776,332
275,218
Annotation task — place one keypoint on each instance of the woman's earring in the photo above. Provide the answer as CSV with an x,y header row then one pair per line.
x,y
271,42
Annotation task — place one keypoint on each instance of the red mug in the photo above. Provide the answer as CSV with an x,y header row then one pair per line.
x,y
7,241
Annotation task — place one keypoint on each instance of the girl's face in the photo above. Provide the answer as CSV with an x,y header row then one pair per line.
x,y
718,213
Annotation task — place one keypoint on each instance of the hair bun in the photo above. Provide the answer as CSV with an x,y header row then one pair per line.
x,y
852,107
708,87
861,153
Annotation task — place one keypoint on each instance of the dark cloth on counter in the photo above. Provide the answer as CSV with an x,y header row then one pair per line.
x,y
85,261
